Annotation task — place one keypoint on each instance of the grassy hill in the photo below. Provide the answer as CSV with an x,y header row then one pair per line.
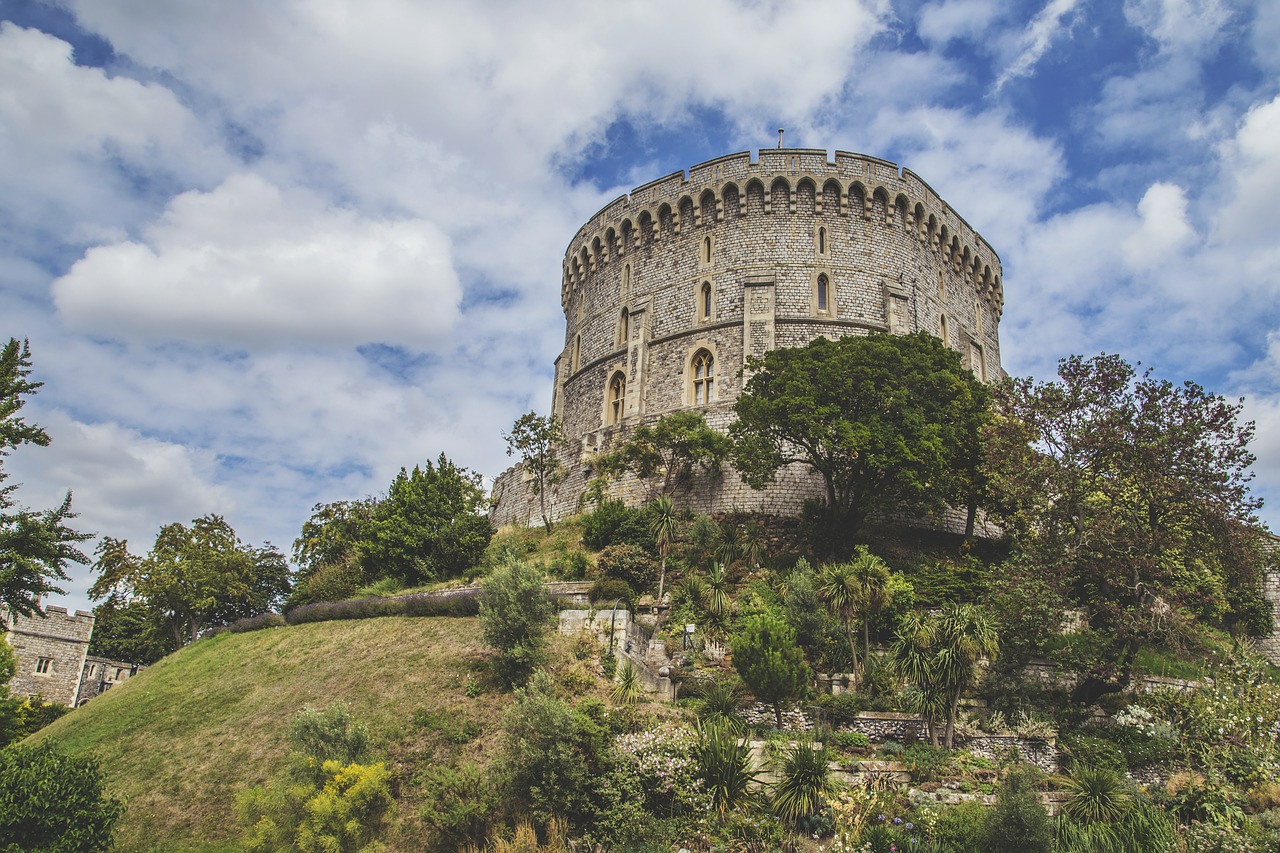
x,y
182,737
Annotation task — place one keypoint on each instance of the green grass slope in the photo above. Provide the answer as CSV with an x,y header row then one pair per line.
x,y
182,737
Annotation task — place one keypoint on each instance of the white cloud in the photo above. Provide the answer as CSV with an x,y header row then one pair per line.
x,y
1181,25
1037,38
1164,230
251,264
952,20
1253,156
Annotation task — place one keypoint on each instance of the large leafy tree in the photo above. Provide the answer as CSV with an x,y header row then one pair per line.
x,y
36,546
881,418
534,438
668,454
194,578
1132,494
429,526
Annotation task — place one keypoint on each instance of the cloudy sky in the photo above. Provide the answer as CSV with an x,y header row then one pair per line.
x,y
268,253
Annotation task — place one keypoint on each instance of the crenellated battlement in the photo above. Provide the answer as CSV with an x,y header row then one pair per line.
x,y
788,181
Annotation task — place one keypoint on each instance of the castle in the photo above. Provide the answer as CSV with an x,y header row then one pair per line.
x,y
52,653
669,290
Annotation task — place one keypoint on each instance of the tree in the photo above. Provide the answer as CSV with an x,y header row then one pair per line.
x,y
767,658
668,454
534,438
663,526
940,654
194,578
327,552
54,802
1133,494
880,418
429,526
1019,823
35,545
514,614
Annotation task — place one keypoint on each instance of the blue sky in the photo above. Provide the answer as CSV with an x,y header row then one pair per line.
x,y
268,253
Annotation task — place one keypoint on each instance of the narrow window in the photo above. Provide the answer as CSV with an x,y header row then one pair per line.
x,y
823,285
575,359
704,301
93,670
624,328
626,282
976,364
942,286
704,377
43,666
942,328
119,674
977,316
822,241
706,250
617,398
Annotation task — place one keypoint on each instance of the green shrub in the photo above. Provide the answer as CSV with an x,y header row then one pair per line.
x,y
459,803
625,562
925,762
53,803
842,708
849,740
1094,751
332,734
725,764
514,615
961,828
606,592
614,523
1019,823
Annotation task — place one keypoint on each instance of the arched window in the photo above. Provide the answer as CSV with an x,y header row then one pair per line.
x,y
942,286
823,299
942,328
706,250
615,402
822,241
703,371
705,302
977,316
575,359
626,282
624,328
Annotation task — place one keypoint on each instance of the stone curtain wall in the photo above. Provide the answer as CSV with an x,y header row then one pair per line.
x,y
57,643
1270,646
894,255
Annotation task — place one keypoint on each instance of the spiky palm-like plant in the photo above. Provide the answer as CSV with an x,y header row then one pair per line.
x,y
838,590
1097,795
720,701
873,588
663,527
718,591
627,689
805,783
725,761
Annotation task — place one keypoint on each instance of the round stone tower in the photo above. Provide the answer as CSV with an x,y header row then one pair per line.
x,y
668,290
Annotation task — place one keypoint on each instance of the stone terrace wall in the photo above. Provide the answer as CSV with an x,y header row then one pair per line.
x,y
1270,646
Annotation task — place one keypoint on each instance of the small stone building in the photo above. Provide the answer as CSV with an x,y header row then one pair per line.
x,y
51,651
101,674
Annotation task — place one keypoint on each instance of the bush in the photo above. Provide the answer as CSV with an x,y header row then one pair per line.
x,y
329,582
1019,823
458,803
332,734
635,566
961,828
1094,751
53,802
614,523
842,708
341,811
425,604
608,591
514,614
849,740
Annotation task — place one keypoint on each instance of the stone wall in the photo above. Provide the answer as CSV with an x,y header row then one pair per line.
x,y
1270,646
51,652
101,674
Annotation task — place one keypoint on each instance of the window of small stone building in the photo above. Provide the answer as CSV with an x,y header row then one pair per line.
x,y
93,670
706,302
616,399
44,666
702,371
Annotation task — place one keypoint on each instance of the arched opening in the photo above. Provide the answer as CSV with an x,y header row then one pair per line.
x,y
575,358
822,241
703,373
706,250
705,303
616,399
624,328
823,297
